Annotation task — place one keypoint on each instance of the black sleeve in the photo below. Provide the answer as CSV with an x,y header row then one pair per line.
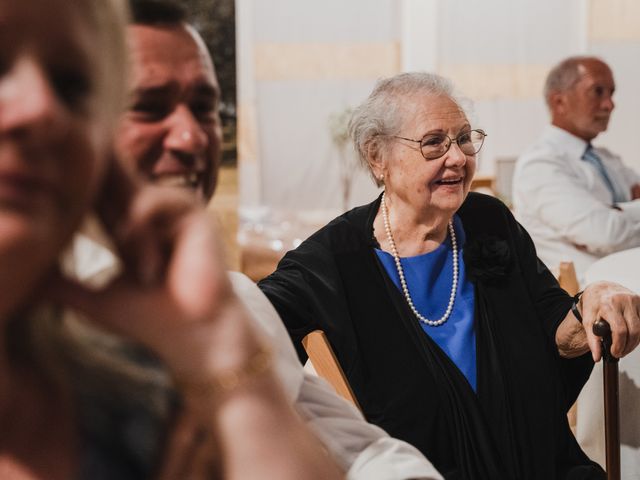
x,y
552,304
305,291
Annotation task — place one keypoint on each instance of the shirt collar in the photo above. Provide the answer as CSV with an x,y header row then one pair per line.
x,y
567,142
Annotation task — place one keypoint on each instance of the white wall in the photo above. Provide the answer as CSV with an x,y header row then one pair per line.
x,y
307,60
301,60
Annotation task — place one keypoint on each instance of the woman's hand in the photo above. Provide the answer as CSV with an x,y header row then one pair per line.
x,y
619,306
173,296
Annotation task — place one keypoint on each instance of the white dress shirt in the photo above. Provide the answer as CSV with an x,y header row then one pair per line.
x,y
365,451
565,205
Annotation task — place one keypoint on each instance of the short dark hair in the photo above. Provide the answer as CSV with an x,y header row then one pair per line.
x,y
157,12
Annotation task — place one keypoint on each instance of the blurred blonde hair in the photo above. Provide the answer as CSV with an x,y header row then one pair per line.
x,y
70,353
62,345
102,363
107,20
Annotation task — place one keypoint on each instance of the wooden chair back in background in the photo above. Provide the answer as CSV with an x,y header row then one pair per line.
x,y
326,364
568,280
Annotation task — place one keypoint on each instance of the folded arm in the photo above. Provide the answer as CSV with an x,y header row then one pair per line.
x,y
554,195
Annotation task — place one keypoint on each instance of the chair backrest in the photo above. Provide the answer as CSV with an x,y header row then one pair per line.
x,y
504,168
483,183
326,364
567,278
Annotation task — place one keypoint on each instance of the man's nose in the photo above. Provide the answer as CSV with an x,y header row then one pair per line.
x,y
186,135
28,102
608,103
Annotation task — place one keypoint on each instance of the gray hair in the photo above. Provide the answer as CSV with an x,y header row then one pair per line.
x,y
381,113
565,75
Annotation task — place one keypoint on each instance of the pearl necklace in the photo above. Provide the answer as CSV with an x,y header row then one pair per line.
x,y
403,282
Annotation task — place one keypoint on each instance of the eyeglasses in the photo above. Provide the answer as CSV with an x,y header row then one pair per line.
x,y
435,145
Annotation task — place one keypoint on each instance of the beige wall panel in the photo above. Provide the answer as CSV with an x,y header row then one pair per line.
x,y
487,82
614,20
325,61
247,134
249,178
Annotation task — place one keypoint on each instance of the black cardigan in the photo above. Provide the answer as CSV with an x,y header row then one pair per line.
x,y
515,427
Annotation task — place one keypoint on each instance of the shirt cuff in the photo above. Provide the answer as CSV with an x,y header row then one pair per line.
x,y
631,209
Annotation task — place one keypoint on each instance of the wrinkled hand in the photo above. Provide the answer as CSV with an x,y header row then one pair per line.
x,y
620,307
174,296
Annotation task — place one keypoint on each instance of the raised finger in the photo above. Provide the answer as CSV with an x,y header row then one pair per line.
x,y
594,343
590,316
197,275
145,241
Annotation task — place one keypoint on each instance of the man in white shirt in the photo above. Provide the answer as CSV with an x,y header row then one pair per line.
x,y
171,134
577,201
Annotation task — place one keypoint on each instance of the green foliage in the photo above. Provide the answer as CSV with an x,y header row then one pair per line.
x,y
339,127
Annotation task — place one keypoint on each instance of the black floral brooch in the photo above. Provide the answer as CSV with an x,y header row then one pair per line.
x,y
487,259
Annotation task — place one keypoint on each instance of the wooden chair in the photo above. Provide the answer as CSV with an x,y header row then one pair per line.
x,y
503,186
484,182
568,280
326,364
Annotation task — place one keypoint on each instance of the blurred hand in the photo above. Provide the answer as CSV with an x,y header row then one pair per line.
x,y
174,296
580,247
620,307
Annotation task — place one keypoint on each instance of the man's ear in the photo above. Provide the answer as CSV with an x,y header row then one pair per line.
x,y
558,103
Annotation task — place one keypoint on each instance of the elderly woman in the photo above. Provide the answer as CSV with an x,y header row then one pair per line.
x,y
76,402
453,335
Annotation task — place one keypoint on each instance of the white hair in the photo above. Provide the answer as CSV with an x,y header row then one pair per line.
x,y
381,113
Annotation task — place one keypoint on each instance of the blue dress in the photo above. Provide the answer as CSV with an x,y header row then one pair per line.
x,y
429,277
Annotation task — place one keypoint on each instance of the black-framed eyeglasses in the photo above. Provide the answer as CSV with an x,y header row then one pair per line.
x,y
435,145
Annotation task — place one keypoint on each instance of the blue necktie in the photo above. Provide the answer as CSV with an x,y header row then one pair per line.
x,y
592,157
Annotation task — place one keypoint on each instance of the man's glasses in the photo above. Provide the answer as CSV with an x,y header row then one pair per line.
x,y
435,145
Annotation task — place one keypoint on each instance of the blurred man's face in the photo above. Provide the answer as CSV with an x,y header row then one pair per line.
x,y
587,106
171,132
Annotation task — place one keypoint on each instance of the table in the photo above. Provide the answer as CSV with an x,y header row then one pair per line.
x,y
624,268
620,267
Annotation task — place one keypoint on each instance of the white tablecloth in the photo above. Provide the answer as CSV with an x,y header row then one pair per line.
x,y
624,268
621,267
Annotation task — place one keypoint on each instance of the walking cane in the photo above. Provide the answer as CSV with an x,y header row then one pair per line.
x,y
611,406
